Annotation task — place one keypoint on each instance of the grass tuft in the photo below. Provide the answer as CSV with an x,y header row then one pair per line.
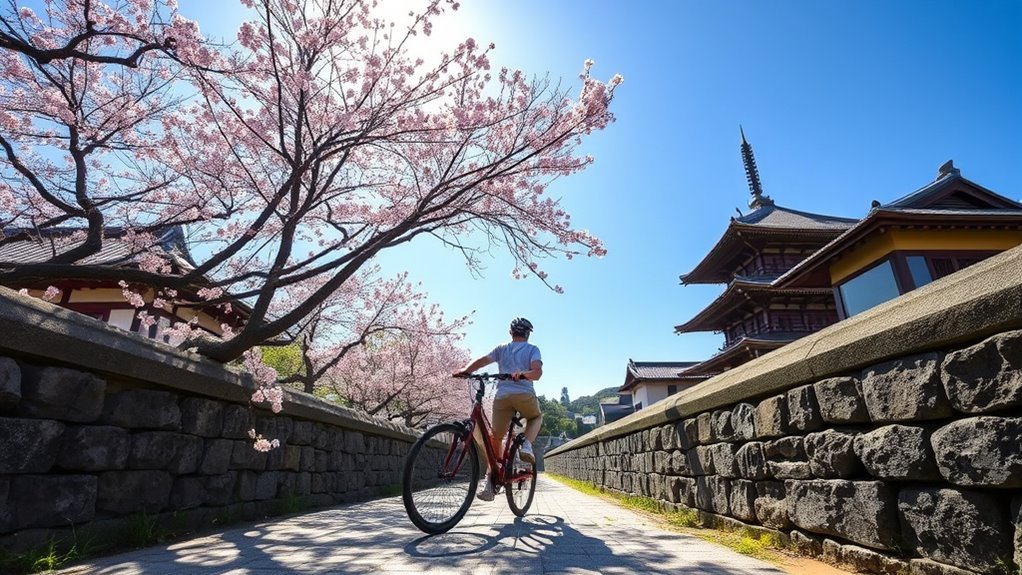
x,y
747,542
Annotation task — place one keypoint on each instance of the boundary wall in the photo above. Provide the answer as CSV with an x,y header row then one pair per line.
x,y
891,441
102,432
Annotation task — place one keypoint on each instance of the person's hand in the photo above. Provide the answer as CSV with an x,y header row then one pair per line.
x,y
516,375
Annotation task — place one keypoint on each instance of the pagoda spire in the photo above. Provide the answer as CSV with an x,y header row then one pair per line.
x,y
758,199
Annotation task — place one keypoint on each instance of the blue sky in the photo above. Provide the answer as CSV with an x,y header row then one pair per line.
x,y
843,102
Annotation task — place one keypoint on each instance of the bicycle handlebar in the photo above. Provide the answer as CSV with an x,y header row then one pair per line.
x,y
486,376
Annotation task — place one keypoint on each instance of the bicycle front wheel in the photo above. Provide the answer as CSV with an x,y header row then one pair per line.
x,y
521,481
439,478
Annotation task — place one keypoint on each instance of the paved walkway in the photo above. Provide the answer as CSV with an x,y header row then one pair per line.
x,y
565,532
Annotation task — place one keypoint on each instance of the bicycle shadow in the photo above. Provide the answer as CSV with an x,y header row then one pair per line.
x,y
539,541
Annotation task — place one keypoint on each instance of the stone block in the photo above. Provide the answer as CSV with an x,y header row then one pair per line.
x,y
806,543
712,494
688,433
964,528
94,448
831,454
724,463
276,427
770,418
898,452
143,409
266,485
927,567
679,464
29,445
58,393
52,500
841,401
10,382
743,423
354,442
700,460
187,492
742,499
1016,518
980,451
789,469
668,439
6,510
769,505
244,456
704,429
216,456
684,490
907,389
651,437
302,433
803,409
868,561
202,417
125,492
723,430
751,461
219,489
238,421
247,482
986,376
864,512
176,452
785,449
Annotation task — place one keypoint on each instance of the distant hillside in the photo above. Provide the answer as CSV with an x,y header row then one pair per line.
x,y
590,404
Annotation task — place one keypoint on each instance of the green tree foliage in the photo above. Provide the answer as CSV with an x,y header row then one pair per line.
x,y
590,404
287,360
555,418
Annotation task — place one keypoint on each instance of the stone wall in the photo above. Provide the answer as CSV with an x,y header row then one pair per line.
x,y
101,427
903,458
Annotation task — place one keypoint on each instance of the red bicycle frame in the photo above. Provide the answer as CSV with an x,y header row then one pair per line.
x,y
501,469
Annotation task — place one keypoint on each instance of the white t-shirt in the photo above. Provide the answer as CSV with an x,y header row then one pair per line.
x,y
515,356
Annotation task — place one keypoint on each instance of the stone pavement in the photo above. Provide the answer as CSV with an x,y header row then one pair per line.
x,y
565,532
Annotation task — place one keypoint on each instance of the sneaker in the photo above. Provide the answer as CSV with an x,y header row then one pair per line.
x,y
486,493
525,452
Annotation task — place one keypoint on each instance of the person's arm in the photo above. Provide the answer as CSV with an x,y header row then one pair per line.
x,y
535,371
481,362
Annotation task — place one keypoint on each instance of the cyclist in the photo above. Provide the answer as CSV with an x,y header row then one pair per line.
x,y
525,364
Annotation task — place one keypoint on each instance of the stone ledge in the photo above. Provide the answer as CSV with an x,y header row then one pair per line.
x,y
963,308
38,331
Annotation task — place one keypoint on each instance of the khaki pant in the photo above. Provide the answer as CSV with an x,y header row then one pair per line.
x,y
504,409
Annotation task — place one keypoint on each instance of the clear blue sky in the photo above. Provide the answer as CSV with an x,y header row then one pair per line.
x,y
843,102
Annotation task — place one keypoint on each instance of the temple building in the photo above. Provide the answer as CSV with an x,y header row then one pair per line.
x,y
103,299
789,273
647,382
754,315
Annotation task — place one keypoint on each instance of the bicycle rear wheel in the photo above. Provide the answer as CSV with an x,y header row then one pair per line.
x,y
521,481
439,478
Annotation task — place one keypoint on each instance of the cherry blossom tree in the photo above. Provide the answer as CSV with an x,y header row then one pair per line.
x,y
404,376
294,156
364,313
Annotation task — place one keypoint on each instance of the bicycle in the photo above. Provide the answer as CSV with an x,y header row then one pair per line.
x,y
442,469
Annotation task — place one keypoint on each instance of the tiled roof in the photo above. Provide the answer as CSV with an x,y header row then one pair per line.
x,y
658,369
774,216
738,293
936,187
864,227
115,251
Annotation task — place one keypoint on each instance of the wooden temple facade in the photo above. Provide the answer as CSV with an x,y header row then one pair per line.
x,y
789,273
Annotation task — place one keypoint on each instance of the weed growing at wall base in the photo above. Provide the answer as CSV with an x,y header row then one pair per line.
x,y
747,542
56,553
